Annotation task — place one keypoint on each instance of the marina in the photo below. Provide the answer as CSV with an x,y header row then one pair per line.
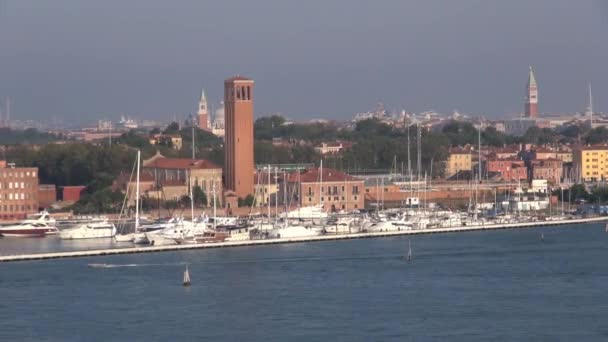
x,y
151,249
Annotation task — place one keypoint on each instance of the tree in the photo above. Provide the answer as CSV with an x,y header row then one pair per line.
x,y
132,139
200,198
597,136
460,133
172,128
246,202
539,136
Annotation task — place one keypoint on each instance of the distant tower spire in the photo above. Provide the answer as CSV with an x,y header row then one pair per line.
x,y
531,105
590,107
203,112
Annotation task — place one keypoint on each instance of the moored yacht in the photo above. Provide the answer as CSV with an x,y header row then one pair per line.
x,y
40,224
92,230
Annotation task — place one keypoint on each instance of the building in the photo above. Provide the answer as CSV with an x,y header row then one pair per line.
x,y
551,170
238,141
334,190
334,147
510,169
591,162
72,193
459,159
18,191
218,122
178,172
531,105
173,140
47,195
267,188
203,113
519,126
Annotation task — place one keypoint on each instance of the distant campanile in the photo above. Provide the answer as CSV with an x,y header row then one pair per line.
x,y
203,112
531,106
238,140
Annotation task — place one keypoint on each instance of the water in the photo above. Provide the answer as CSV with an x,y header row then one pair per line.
x,y
52,243
499,285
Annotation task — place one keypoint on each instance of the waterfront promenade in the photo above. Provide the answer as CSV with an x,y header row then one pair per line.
x,y
150,249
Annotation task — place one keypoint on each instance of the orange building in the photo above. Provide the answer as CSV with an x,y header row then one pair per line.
x,y
18,191
335,190
238,143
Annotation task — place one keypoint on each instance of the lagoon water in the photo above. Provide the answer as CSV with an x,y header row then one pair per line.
x,y
498,285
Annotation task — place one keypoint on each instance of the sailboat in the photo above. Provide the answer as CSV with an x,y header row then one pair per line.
x,y
186,277
409,251
130,237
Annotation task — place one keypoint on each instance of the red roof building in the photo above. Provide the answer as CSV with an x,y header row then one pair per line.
x,y
509,169
335,190
72,193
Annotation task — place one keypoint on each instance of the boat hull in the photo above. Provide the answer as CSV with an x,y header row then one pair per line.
x,y
23,232
27,232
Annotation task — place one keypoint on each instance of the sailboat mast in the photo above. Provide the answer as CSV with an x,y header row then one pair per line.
x,y
193,149
276,194
214,208
321,183
191,198
137,193
268,193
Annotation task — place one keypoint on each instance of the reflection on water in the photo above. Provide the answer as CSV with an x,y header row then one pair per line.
x,y
52,243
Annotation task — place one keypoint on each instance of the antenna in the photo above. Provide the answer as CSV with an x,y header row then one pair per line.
x,y
8,111
590,108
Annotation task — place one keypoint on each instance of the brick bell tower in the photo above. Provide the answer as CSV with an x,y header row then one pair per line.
x,y
238,140
531,105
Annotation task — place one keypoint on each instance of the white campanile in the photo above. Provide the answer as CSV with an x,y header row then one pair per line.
x,y
531,105
203,112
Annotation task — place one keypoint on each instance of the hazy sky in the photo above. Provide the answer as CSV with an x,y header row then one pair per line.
x,y
83,60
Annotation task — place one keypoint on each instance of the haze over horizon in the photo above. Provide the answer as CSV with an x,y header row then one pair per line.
x,y
83,61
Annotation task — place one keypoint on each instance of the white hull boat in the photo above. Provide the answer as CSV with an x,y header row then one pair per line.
x,y
93,230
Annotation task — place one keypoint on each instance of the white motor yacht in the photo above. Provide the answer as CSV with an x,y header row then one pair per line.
x,y
40,224
295,231
92,230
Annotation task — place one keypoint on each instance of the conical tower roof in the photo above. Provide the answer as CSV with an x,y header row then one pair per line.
x,y
531,78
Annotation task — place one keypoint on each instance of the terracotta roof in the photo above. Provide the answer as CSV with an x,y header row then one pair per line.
x,y
180,163
329,175
512,159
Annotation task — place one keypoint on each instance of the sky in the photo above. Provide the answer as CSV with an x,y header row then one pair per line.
x,y
80,61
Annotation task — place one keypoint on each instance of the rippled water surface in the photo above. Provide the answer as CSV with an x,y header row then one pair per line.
x,y
499,285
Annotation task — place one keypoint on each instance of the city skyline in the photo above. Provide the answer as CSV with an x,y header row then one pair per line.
x,y
471,57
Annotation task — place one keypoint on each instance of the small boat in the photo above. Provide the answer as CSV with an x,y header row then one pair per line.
x,y
409,251
606,228
542,236
186,277
92,230
40,225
